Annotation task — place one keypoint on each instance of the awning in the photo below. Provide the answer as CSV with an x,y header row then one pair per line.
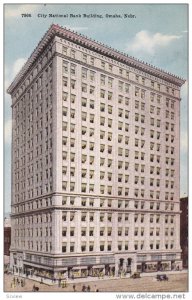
x,y
151,263
79,268
98,267
62,269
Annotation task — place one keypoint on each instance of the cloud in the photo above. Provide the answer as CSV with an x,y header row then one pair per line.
x,y
12,11
18,64
147,42
7,131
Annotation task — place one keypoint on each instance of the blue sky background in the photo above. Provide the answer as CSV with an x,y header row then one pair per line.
x,y
158,35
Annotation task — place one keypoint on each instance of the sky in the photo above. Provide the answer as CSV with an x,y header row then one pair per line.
x,y
157,34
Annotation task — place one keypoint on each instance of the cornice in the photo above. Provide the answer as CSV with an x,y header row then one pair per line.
x,y
56,30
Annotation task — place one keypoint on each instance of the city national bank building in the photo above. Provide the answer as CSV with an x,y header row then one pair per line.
x,y
95,162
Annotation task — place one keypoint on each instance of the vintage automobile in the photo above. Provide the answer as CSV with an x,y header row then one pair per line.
x,y
162,277
135,275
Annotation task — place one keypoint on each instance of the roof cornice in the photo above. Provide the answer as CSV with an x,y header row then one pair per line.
x,y
56,30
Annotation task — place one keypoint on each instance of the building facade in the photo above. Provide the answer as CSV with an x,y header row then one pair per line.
x,y
95,161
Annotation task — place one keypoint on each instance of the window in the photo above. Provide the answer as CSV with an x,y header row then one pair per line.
x,y
142,106
120,99
102,107
127,86
65,81
84,88
120,85
84,116
137,91
142,118
102,79
65,66
73,69
126,191
73,82
91,118
152,109
120,191
120,112
84,102
92,104
110,82
72,53
84,57
152,97
120,125
110,109
84,73
136,143
64,50
158,99
92,76
143,94
92,60
126,127
136,104
91,146
126,165
120,71
110,95
136,192
103,64
102,162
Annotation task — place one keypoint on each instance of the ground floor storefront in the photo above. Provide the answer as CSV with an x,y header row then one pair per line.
x,y
116,265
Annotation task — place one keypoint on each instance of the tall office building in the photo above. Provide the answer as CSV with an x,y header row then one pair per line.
x,y
95,161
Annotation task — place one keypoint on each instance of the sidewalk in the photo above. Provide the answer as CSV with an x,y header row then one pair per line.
x,y
92,279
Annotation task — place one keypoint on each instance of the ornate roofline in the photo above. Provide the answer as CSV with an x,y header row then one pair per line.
x,y
91,44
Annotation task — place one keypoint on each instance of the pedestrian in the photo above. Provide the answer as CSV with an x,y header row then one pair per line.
x,y
83,288
74,288
59,282
97,290
88,288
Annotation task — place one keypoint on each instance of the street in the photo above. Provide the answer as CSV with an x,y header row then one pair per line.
x,y
176,283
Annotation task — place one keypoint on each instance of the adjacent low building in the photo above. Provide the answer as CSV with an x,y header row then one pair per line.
x,y
7,241
95,161
184,230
